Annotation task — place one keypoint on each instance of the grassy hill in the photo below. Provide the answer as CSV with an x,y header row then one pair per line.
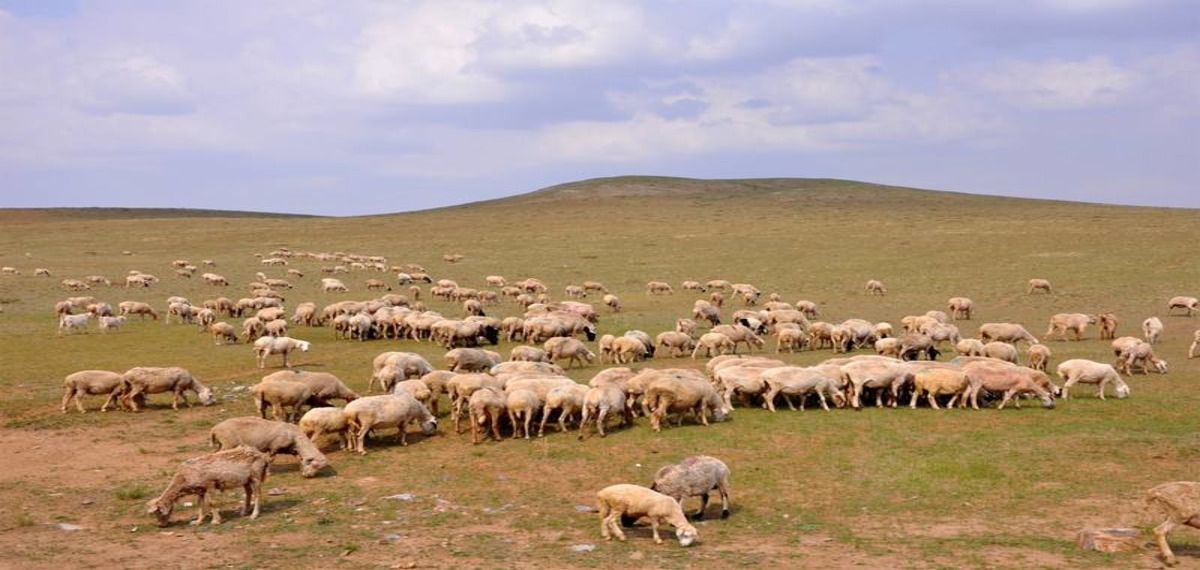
x,y
897,488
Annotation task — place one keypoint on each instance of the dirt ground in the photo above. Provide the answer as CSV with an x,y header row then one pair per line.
x,y
62,508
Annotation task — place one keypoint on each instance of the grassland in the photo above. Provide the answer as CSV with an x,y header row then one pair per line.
x,y
895,488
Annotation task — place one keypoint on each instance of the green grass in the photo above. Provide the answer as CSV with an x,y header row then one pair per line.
x,y
872,483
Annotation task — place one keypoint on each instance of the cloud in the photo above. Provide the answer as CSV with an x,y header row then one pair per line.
x,y
1055,84
138,85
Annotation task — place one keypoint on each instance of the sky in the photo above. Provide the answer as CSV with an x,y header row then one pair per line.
x,y
348,107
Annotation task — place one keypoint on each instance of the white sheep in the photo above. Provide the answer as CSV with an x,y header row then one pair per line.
x,y
1039,356
1152,329
1189,303
789,381
1179,502
239,467
933,382
281,345
280,394
320,421
599,401
633,501
111,323
1079,370
521,404
697,475
960,307
223,333
91,383
1011,333
571,349
471,359
1039,285
676,343
875,287
271,438
68,323
969,347
567,399
487,406
682,393
1195,343
391,410
1140,354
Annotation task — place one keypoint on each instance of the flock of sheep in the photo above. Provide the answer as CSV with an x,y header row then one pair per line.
x,y
529,388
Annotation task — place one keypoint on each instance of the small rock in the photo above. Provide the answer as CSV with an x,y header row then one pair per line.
x,y
637,555
187,504
391,538
69,526
134,529
237,388
276,491
583,547
88,501
586,509
1109,539
401,497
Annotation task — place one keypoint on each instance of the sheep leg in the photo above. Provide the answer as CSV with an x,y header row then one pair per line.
x,y
542,424
723,488
1160,535
528,420
516,426
699,514
821,398
361,438
583,420
933,401
563,415
654,529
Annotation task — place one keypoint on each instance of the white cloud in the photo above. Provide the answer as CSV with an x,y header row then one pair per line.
x,y
563,34
139,84
1055,84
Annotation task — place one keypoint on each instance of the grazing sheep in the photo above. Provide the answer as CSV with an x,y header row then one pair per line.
x,y
271,438
960,307
223,333
1179,502
626,501
471,359
686,326
521,404
137,382
1001,351
111,323
323,385
567,399
969,347
239,467
1011,333
1152,329
613,302
599,401
391,410
331,284
887,347
807,307
91,383
708,312
800,381
1079,370
913,344
1195,343
1076,323
1189,303
1011,380
1108,326
886,376
571,349
320,421
875,287
676,343
682,393
1140,354
282,345
595,286
933,382
659,288
67,323
528,354
695,476
1039,356
280,394
740,334
486,407
713,344
1039,285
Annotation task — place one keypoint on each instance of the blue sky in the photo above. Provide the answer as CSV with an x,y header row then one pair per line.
x,y
359,107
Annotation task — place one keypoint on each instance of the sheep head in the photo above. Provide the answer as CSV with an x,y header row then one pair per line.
x,y
161,511
687,534
429,425
206,396
309,467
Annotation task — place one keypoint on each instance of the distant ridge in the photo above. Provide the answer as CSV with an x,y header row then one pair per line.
x,y
17,215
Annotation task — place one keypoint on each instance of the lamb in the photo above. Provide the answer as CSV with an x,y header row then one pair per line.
x,y
271,438
1179,502
111,323
713,344
1079,370
676,343
1039,285
960,307
281,345
933,382
601,400
633,501
571,349
1039,356
391,410
1189,303
697,475
239,467
1011,333
875,287
1152,329
67,323
567,399
223,333
92,383
1063,323
320,421
139,381
888,347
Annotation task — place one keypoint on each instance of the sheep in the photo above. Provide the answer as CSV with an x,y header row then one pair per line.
x,y
601,400
681,393
713,344
271,438
1152,329
571,349
969,347
875,287
471,359
613,302
1142,355
280,394
75,285
1011,333
1079,370
323,385
223,333
111,323
567,399
933,382
1189,303
595,286
886,375
486,407
717,298
1108,326
1039,356
740,334
320,421
697,475
676,343
92,383
1001,351
398,410
1121,345
41,271
67,323
960,307
659,288
332,284
1010,379
1195,343
626,349
912,344
1063,323
391,367
632,501
215,279
239,467
1039,285
528,354
1179,502
884,346
139,381
521,404
281,345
